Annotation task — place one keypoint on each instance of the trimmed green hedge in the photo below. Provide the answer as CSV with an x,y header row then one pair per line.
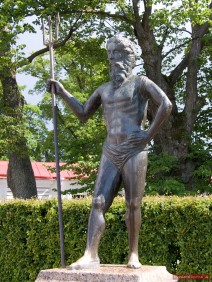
x,y
176,232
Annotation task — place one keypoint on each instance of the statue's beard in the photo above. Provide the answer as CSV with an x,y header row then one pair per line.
x,y
119,71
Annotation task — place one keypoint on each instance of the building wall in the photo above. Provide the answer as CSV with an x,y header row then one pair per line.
x,y
46,188
3,188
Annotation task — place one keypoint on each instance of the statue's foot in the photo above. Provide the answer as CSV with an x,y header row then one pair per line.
x,y
85,262
134,262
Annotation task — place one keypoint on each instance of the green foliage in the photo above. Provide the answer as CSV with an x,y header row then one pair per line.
x,y
79,143
161,179
36,133
11,130
200,154
176,232
13,22
82,66
30,128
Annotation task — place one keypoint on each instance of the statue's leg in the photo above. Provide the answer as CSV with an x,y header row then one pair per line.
x,y
106,188
134,175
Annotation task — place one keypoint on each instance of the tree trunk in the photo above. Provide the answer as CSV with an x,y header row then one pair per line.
x,y
175,135
169,138
20,174
20,177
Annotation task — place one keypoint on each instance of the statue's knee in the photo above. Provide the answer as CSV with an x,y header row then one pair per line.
x,y
99,202
133,204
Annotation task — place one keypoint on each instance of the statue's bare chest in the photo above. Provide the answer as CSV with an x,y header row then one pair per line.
x,y
124,96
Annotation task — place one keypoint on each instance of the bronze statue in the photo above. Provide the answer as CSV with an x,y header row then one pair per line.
x,y
124,101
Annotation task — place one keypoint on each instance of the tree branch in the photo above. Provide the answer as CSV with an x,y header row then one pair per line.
x,y
105,14
147,14
175,48
59,114
46,49
110,26
135,9
56,45
177,72
164,39
182,30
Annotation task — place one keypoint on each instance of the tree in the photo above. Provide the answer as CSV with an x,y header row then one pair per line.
x,y
163,33
20,174
81,66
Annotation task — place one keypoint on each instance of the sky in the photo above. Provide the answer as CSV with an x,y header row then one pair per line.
x,y
33,42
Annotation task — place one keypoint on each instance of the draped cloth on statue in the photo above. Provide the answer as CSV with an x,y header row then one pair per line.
x,y
119,154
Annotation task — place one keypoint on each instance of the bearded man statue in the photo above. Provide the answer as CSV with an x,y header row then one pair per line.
x,y
124,100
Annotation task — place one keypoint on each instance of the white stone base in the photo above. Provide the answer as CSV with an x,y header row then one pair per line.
x,y
108,273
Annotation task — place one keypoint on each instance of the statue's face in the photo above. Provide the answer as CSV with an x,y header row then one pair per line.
x,y
115,52
120,62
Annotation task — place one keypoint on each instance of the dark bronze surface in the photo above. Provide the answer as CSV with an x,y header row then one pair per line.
x,y
124,100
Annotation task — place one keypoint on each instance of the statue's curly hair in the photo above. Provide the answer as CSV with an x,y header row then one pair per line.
x,y
127,46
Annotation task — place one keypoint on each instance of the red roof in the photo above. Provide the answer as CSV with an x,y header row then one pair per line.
x,y
41,170
3,169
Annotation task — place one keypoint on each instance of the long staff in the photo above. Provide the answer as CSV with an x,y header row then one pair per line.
x,y
50,43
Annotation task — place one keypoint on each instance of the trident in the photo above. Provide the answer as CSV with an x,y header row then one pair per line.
x,y
50,43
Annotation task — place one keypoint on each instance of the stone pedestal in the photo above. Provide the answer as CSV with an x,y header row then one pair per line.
x,y
108,273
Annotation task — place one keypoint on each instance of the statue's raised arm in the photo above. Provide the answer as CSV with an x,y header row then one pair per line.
x,y
83,112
